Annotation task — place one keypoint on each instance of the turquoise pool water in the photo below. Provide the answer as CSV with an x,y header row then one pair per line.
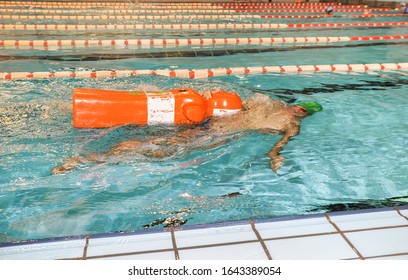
x,y
354,150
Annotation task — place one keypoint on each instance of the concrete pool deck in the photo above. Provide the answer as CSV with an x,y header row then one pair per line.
x,y
352,235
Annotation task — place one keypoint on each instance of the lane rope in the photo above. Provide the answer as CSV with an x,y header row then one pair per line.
x,y
196,16
177,42
207,73
212,26
336,10
224,5
124,17
183,10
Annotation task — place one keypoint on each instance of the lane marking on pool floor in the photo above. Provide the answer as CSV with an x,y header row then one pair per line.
x,y
207,73
212,26
176,42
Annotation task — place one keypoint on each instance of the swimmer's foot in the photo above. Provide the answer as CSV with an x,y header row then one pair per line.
x,y
68,166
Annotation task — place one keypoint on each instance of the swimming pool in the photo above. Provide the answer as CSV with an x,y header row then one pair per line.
x,y
353,151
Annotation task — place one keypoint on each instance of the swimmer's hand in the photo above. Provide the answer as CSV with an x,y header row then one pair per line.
x,y
208,94
276,162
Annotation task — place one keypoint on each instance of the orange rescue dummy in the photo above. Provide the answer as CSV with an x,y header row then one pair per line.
x,y
96,108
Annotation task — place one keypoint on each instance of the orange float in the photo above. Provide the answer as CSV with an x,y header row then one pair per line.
x,y
97,108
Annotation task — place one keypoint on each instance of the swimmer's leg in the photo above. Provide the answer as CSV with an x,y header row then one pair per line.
x,y
124,147
156,148
73,162
70,164
151,149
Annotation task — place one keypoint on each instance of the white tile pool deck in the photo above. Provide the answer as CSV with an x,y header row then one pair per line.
x,y
352,235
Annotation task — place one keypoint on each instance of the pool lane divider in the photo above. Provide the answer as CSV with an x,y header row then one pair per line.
x,y
344,15
211,26
89,8
184,11
177,42
156,11
192,7
289,5
131,17
165,17
283,4
321,10
176,5
74,4
102,3
136,8
138,17
207,73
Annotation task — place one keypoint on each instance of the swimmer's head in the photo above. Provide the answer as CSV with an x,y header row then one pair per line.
x,y
402,4
311,106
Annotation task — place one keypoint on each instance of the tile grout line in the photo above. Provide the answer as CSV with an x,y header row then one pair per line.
x,y
86,247
126,254
284,237
399,213
375,228
258,235
338,231
173,241
344,237
217,245
235,243
388,255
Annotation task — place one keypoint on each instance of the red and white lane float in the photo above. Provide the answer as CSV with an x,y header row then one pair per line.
x,y
210,26
207,73
167,4
125,4
177,42
97,108
94,12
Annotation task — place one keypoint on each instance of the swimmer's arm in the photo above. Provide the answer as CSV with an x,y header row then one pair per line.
x,y
276,160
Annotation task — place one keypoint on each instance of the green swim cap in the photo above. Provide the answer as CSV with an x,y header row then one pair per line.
x,y
311,106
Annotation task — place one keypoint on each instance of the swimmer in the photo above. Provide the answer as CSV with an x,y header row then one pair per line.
x,y
259,114
329,10
403,7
